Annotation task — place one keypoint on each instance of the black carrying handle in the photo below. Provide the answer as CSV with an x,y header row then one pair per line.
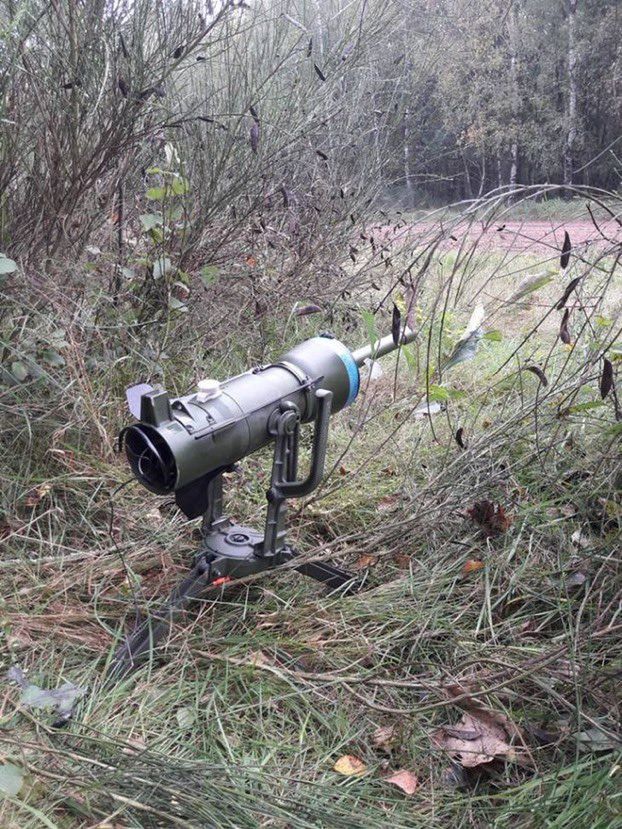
x,y
295,489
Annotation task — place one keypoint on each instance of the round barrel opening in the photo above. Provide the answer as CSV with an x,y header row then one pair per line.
x,y
150,458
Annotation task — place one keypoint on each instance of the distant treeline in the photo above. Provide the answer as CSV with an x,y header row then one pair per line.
x,y
498,93
286,122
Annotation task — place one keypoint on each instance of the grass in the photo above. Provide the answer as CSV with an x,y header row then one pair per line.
x,y
240,722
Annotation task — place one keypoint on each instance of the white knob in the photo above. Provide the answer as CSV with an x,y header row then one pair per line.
x,y
207,389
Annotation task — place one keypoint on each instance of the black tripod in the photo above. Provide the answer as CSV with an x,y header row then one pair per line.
x,y
229,551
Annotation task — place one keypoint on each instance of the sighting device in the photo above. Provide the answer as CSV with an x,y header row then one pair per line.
x,y
184,445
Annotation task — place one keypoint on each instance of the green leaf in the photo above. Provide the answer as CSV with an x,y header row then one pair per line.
x,y
6,265
150,220
456,394
209,274
52,358
528,286
161,267
186,717
20,370
156,193
585,407
11,779
464,349
410,358
180,186
494,336
369,320
436,394
154,171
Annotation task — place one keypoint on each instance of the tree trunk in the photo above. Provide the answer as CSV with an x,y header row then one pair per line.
x,y
571,110
482,181
515,94
407,178
467,177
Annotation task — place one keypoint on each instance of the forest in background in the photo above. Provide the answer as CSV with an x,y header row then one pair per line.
x,y
299,110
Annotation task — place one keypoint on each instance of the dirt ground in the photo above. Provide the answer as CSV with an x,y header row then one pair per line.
x,y
528,236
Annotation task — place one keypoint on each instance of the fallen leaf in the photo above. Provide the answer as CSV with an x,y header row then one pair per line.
x,y
404,780
576,579
475,740
426,409
384,738
251,261
363,562
387,503
401,561
134,745
62,700
305,310
154,517
257,658
186,717
579,540
350,766
11,779
593,739
35,495
472,565
492,518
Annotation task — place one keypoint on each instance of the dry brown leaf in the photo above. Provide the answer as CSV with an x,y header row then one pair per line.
x,y
476,740
472,565
384,738
492,518
461,698
365,561
350,766
387,503
257,659
35,495
404,780
402,561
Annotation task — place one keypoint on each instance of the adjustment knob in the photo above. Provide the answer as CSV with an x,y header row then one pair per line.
x,y
207,389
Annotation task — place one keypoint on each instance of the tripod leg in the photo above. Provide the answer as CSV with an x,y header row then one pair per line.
x,y
137,647
334,577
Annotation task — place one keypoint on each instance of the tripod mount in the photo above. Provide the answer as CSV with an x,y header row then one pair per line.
x,y
229,551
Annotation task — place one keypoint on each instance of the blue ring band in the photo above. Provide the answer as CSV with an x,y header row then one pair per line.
x,y
351,367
